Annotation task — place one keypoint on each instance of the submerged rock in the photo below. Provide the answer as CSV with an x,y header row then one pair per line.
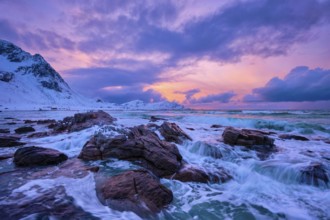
x,y
4,131
30,156
294,137
189,173
141,146
24,129
10,141
52,203
314,174
173,133
82,121
136,191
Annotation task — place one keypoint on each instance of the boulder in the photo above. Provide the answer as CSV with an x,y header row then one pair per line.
x,y
30,156
4,131
173,133
46,121
39,134
189,173
137,191
10,141
216,126
314,174
24,129
294,137
81,121
246,137
252,139
140,145
155,118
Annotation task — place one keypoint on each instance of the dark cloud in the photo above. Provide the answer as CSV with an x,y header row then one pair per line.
x,y
301,84
33,39
189,94
221,97
260,27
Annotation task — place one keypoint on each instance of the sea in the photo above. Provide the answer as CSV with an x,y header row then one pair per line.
x,y
261,188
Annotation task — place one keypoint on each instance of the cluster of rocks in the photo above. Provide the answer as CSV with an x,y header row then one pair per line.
x,y
140,190
6,76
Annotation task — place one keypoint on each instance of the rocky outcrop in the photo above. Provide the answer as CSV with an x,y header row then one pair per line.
x,y
136,191
30,156
10,141
314,174
82,121
25,129
6,76
173,133
140,145
294,137
155,118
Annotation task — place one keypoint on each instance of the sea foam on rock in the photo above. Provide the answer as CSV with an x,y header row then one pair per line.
x,y
82,121
140,145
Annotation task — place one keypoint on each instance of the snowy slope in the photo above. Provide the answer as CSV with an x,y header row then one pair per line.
x,y
28,81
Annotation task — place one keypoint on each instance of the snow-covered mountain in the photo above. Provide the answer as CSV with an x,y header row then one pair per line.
x,y
140,105
28,80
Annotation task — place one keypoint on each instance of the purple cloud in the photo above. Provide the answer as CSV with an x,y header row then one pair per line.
x,y
189,94
301,84
221,97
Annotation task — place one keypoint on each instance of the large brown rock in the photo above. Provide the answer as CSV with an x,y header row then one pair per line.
x,y
137,191
82,121
252,139
173,133
31,156
10,141
246,137
140,145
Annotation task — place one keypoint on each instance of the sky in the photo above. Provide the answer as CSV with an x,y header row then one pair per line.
x,y
230,54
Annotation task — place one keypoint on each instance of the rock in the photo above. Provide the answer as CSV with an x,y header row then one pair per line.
x,y
173,133
39,134
25,129
136,191
10,141
216,126
191,129
140,145
246,137
252,139
189,173
155,118
52,203
46,121
314,174
82,121
29,121
4,131
6,156
29,156
294,137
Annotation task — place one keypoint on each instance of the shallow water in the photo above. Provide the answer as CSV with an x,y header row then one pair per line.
x,y
260,189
